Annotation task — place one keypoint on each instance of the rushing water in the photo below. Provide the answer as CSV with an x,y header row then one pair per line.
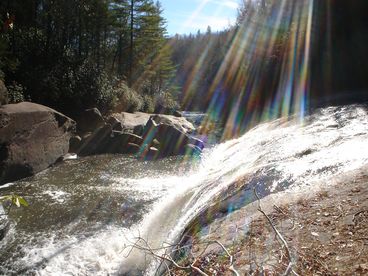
x,y
83,213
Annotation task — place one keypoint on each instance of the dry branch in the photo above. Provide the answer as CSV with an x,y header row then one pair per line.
x,y
281,238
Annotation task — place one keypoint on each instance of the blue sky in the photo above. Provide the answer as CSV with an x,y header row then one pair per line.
x,y
189,16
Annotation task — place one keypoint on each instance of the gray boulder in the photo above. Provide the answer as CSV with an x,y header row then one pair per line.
x,y
152,136
32,137
136,122
172,140
180,123
130,122
89,120
170,137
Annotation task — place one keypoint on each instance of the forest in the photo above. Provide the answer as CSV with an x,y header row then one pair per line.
x,y
74,54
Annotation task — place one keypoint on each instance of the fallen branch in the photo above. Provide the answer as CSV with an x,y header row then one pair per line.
x,y
231,258
281,238
141,244
164,257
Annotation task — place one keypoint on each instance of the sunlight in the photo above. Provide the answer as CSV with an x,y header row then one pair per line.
x,y
195,14
256,39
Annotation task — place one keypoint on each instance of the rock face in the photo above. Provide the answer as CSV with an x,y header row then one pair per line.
x,y
180,123
32,137
3,93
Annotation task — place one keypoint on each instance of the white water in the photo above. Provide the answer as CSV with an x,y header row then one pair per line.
x,y
273,156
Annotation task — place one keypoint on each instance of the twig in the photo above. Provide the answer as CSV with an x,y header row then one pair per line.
x,y
358,213
231,258
281,238
165,257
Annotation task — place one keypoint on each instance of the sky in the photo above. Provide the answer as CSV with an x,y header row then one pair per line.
x,y
189,16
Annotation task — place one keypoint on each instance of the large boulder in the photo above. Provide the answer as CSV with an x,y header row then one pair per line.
x,y
152,136
136,122
3,93
32,137
170,138
130,122
90,120
180,123
106,140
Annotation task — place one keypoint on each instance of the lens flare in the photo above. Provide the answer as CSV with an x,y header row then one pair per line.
x,y
264,73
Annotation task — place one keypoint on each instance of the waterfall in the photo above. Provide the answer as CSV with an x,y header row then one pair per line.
x,y
114,199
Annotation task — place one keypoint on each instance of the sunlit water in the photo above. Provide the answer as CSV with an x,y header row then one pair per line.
x,y
84,213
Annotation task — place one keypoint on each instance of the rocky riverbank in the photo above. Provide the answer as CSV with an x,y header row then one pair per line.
x,y
34,137
324,226
150,136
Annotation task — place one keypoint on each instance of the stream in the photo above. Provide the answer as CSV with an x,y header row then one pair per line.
x,y
84,213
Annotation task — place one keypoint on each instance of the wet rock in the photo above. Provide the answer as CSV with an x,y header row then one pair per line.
x,y
90,120
32,137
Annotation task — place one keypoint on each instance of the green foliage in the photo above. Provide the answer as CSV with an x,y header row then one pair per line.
x,y
14,200
16,93
149,104
127,99
71,54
